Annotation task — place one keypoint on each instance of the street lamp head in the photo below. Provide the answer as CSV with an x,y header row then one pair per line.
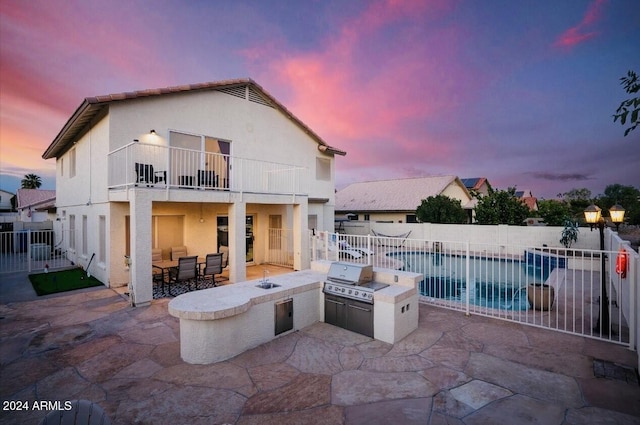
x,y
617,214
592,214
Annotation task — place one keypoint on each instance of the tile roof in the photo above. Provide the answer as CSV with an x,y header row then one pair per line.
x,y
36,198
392,195
531,202
93,106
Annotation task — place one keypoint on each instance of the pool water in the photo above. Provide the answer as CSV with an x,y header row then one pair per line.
x,y
495,283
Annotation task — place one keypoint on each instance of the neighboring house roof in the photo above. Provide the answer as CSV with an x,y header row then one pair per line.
x,y
36,199
531,202
93,106
523,194
528,199
473,182
393,195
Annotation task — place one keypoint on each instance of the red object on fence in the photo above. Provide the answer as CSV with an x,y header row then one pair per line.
x,y
621,263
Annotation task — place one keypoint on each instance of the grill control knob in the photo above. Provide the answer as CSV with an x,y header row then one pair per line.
x,y
356,293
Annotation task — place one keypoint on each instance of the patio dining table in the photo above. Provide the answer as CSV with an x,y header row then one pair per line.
x,y
165,265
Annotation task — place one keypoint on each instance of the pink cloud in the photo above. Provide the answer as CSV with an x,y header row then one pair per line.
x,y
378,77
583,31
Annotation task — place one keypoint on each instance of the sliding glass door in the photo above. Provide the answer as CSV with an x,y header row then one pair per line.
x,y
223,234
199,161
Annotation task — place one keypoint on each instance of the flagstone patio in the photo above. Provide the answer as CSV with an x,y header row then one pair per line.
x,y
453,370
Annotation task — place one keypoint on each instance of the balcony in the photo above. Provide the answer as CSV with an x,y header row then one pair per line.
x,y
146,165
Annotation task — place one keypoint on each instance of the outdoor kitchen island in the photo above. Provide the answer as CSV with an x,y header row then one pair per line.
x,y
219,323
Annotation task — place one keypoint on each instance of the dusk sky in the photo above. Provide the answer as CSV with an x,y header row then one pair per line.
x,y
521,92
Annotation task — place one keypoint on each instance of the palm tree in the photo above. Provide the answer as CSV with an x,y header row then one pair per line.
x,y
31,181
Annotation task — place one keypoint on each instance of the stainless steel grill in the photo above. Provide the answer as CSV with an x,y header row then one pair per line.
x,y
350,280
348,297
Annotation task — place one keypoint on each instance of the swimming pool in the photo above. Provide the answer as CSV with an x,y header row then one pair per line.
x,y
495,283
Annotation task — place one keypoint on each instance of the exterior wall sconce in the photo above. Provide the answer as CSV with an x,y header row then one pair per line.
x,y
152,132
593,216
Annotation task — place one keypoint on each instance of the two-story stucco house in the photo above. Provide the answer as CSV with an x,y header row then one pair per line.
x,y
202,166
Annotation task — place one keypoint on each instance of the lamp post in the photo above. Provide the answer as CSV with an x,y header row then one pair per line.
x,y
593,216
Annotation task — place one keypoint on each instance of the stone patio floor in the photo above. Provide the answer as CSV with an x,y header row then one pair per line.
x,y
454,369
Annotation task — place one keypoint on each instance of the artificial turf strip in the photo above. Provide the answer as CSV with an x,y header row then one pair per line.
x,y
61,281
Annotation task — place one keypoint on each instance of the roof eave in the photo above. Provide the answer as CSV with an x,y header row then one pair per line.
x,y
92,105
63,136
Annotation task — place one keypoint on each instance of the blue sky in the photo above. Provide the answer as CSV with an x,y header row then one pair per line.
x,y
520,92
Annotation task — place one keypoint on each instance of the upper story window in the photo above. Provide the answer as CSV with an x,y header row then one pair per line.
x,y
61,167
323,169
72,163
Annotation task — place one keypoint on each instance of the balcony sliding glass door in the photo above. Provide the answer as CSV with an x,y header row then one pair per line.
x,y
199,161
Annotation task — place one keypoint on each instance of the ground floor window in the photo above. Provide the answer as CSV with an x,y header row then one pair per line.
x,y
85,240
312,221
72,231
102,242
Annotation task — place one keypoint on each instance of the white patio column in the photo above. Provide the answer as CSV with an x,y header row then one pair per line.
x,y
301,236
140,212
237,242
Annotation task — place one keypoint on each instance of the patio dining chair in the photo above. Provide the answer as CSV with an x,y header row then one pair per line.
x,y
186,272
212,267
146,174
178,251
224,250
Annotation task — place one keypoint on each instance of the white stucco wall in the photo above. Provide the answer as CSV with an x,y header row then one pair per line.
x,y
254,130
516,236
456,191
85,194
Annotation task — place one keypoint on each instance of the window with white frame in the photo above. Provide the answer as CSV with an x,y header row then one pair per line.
x,y
72,163
85,239
312,220
323,169
102,242
72,232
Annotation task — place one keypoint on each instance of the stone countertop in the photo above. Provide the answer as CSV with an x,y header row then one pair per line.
x,y
230,300
394,293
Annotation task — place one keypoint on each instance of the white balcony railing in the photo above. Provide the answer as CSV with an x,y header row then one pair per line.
x,y
146,165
